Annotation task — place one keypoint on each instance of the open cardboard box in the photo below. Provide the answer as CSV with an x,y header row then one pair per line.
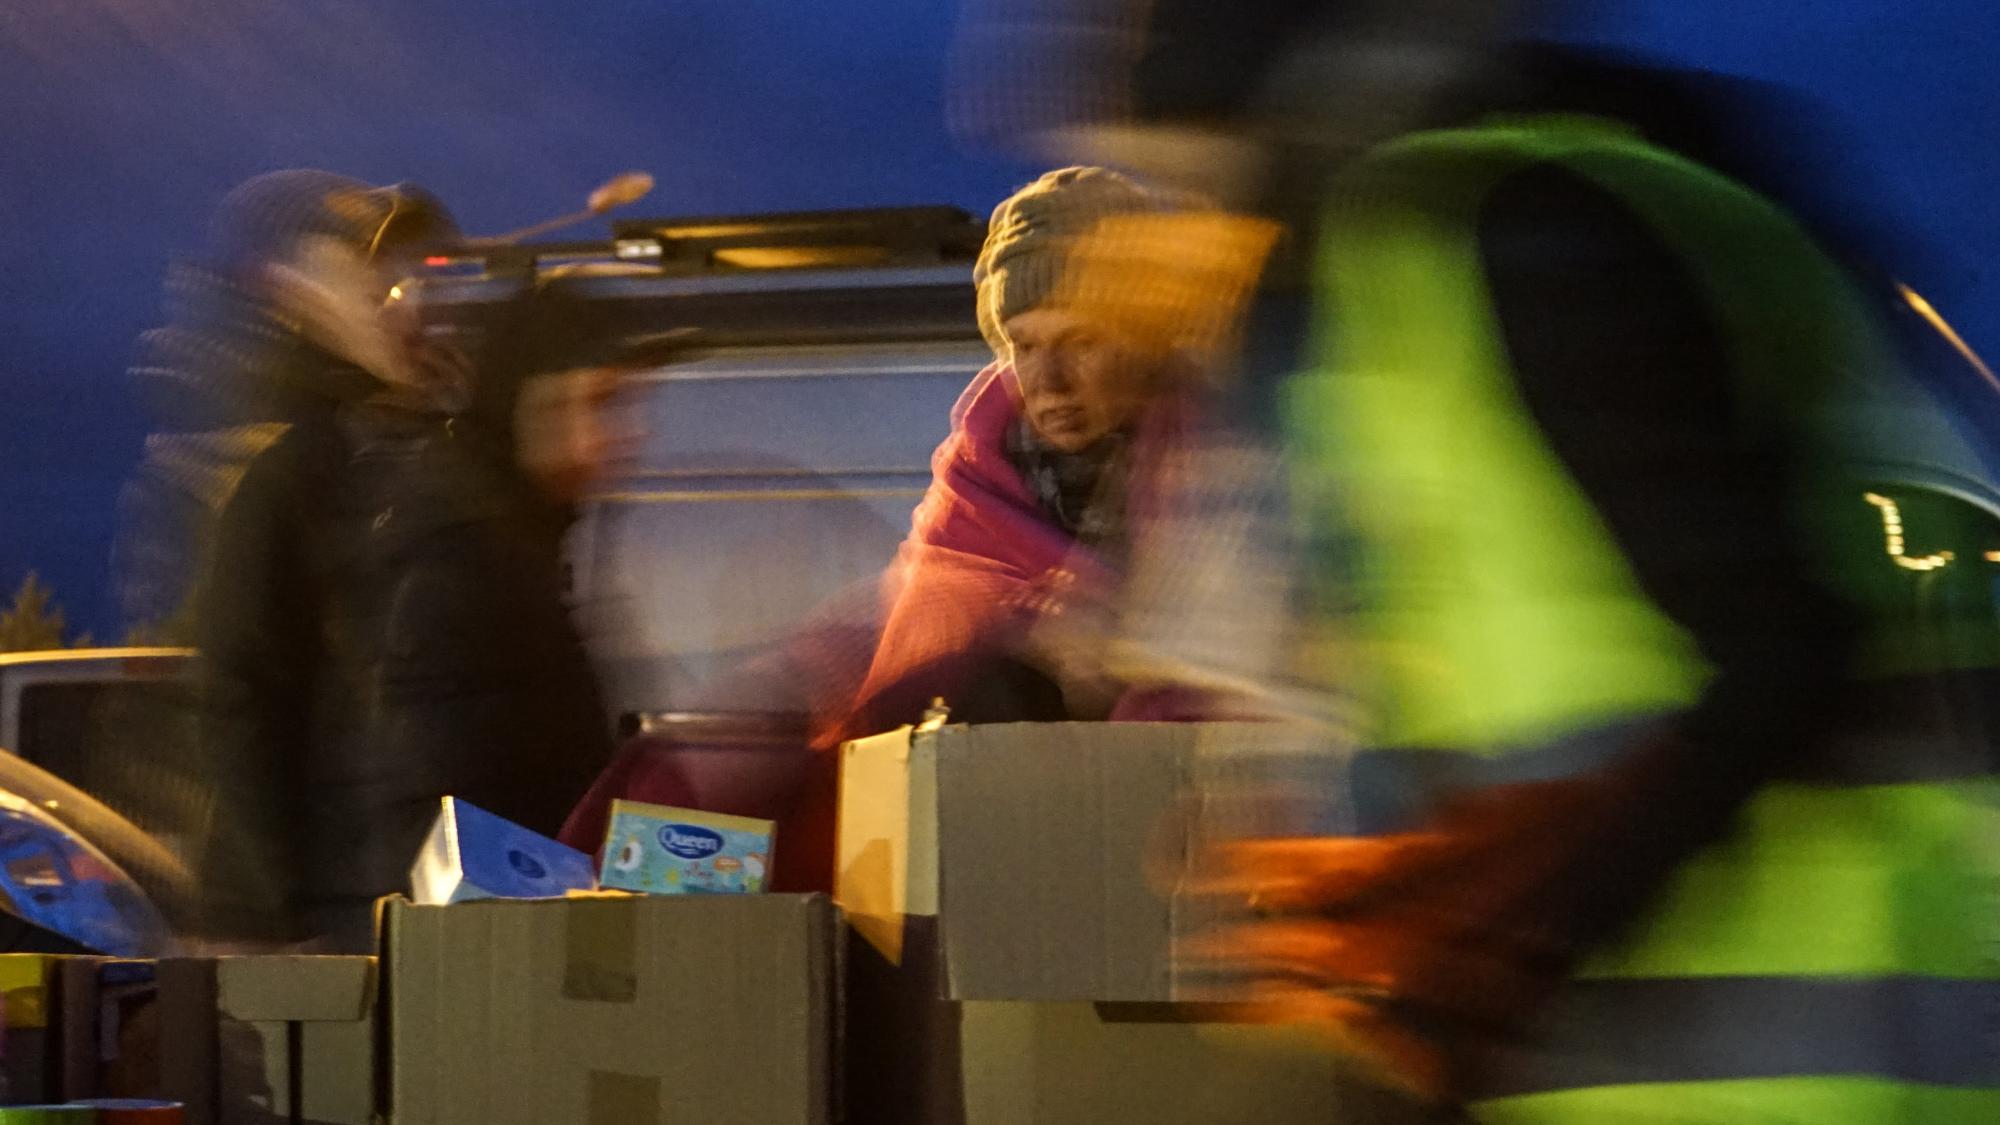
x,y
238,1040
1010,953
268,1039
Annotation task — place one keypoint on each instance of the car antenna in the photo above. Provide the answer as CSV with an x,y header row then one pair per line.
x,y
621,190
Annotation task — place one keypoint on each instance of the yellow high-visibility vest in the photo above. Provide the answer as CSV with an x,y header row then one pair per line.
x,y
1837,959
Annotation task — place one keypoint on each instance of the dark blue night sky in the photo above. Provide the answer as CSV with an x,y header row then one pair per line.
x,y
126,120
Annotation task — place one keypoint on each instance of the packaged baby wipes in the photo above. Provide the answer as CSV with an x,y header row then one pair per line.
x,y
659,850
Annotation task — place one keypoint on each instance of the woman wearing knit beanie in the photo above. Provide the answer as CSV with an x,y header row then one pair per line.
x,y
1102,300
1099,298
1077,383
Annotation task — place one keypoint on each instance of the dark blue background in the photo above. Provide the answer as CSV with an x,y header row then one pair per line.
x,y
122,123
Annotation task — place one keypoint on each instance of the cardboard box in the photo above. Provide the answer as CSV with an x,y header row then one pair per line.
x,y
105,1042
611,1010
69,1027
268,1040
314,1027
1008,937
1041,836
239,1041
472,854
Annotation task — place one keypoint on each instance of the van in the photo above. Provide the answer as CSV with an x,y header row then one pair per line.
x,y
785,447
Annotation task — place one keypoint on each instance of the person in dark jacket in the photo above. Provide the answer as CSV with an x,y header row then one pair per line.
x,y
370,573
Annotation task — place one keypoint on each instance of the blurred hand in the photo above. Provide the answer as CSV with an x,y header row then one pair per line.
x,y
1072,627
1412,945
442,373
569,433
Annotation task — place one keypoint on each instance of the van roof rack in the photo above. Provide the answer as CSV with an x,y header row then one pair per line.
x,y
849,239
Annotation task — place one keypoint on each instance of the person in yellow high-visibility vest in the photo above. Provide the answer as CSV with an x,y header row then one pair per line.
x,y
1675,810
1633,656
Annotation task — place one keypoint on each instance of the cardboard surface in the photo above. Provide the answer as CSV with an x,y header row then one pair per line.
x,y
336,1061
128,1029
86,1025
74,1027
297,1040
1044,832
268,1040
1038,838
1068,1064
189,1037
886,857
615,1010
295,989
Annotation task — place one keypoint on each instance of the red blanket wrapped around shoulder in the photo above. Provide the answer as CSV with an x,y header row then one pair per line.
x,y
981,557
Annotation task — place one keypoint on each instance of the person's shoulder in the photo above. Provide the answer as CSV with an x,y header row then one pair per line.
x,y
1548,209
282,463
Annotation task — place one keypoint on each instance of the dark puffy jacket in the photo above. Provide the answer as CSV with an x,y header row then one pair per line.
x,y
382,625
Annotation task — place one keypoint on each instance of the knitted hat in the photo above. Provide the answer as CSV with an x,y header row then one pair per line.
x,y
1029,238
266,217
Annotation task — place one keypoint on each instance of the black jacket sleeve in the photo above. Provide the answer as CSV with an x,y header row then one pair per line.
x,y
256,638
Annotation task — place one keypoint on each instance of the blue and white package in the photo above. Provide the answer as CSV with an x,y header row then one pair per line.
x,y
472,854
659,850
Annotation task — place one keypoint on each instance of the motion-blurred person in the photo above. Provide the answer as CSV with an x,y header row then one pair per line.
x,y
1066,453
1673,819
371,572
1032,503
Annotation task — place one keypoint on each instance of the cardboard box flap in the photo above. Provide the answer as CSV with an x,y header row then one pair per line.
x,y
887,854
295,989
1044,832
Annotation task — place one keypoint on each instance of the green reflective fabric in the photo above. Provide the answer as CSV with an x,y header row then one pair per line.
x,y
1494,611
1763,1101
1824,881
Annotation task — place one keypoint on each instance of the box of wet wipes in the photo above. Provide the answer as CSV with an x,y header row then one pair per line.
x,y
658,850
472,854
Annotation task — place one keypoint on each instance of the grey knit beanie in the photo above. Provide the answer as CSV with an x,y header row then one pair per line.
x,y
266,217
1028,239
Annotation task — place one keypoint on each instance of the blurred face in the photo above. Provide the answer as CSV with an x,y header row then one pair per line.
x,y
367,309
571,430
1079,382
338,295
